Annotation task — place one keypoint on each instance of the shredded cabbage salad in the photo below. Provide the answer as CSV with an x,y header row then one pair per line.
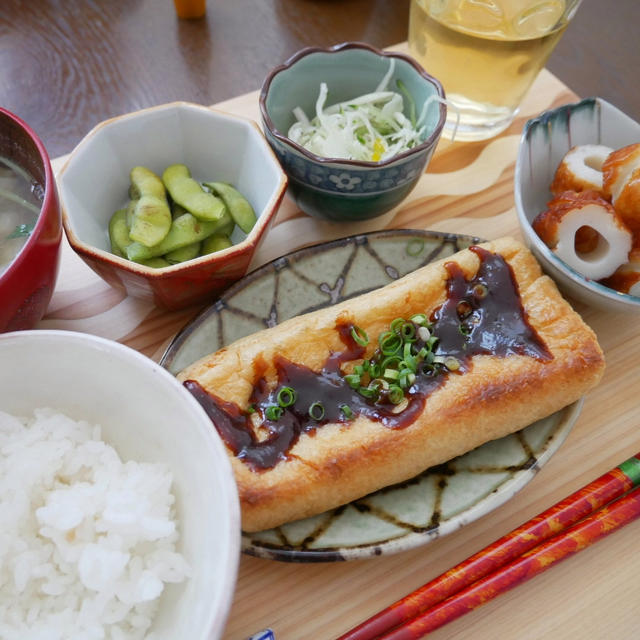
x,y
371,127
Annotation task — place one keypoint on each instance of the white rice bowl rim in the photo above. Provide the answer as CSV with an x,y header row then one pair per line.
x,y
212,624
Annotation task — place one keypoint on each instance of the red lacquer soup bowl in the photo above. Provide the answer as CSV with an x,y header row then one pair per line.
x,y
28,279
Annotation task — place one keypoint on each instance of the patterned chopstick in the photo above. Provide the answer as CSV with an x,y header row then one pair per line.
x,y
528,550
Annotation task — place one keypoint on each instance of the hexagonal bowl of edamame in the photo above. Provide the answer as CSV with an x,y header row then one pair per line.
x,y
169,203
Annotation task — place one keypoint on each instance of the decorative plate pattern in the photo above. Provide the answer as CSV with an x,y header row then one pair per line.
x,y
440,500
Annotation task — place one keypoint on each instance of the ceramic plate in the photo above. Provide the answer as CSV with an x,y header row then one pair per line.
x,y
403,516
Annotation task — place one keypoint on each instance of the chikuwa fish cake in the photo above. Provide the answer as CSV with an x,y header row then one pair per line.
x,y
335,404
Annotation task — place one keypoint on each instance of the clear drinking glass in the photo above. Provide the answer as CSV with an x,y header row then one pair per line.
x,y
486,53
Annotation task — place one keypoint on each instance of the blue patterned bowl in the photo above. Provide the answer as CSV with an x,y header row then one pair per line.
x,y
337,189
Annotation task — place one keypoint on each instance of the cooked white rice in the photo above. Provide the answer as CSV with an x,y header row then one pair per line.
x,y
87,541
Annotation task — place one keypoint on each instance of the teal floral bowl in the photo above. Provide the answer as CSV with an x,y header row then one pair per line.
x,y
343,189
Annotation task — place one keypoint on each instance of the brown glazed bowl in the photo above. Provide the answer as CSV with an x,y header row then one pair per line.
x,y
215,146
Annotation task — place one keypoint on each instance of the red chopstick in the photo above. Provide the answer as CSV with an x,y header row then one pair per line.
x,y
567,527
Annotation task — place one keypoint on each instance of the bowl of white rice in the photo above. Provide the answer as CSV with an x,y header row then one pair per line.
x,y
119,516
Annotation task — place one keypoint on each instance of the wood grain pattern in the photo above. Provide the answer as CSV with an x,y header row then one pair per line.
x,y
593,594
66,65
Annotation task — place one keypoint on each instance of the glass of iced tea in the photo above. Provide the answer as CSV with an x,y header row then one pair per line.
x,y
486,54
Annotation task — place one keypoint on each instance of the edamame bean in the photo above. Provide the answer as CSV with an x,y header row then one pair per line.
x,y
145,183
239,207
119,233
151,217
177,210
185,229
131,207
183,254
189,194
216,242
226,223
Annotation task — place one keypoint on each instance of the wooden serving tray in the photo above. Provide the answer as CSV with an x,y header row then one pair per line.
x,y
468,189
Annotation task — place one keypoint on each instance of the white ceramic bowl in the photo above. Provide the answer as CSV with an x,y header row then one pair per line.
x,y
147,416
545,140
216,146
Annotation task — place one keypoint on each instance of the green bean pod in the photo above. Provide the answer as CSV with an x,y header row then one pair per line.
x,y
183,254
151,216
119,233
239,207
215,242
186,192
185,230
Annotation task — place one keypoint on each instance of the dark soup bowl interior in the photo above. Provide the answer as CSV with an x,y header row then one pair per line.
x,y
30,225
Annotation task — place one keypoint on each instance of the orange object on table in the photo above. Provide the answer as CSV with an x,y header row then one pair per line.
x,y
190,8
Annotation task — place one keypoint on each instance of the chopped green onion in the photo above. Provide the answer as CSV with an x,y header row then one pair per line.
x,y
251,409
419,319
453,364
286,396
379,383
353,380
21,231
409,364
360,336
396,325
390,343
391,374
390,361
464,329
375,387
406,378
408,331
367,393
424,334
316,411
346,409
395,394
273,412
374,370
401,406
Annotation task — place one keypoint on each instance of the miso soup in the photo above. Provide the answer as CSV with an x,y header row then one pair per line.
x,y
20,202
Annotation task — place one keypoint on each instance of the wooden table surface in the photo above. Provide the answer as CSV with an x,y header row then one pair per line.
x,y
64,66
